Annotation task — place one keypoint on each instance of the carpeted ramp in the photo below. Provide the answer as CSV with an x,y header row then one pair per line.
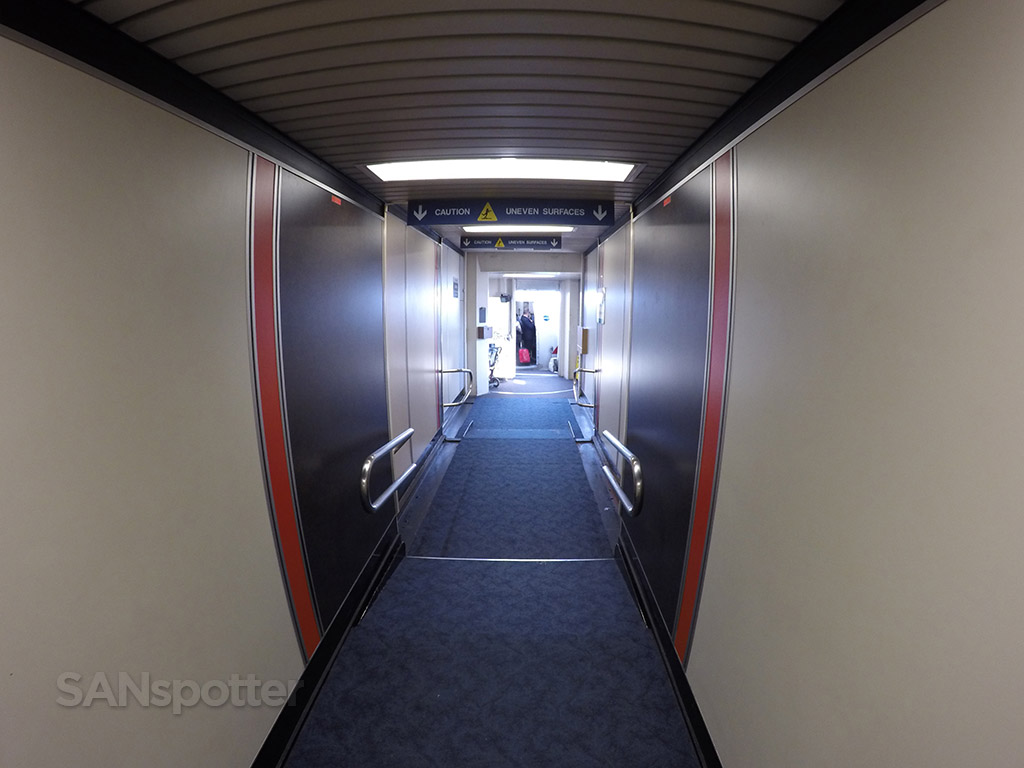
x,y
523,495
498,665
514,413
508,637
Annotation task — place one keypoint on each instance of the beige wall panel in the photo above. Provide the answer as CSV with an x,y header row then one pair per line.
x,y
395,330
136,534
572,318
477,350
863,601
421,335
453,324
613,334
591,303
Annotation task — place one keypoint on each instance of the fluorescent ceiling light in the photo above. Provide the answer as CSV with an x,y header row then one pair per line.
x,y
509,229
502,168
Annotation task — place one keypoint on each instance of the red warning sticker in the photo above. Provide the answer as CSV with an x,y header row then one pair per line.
x,y
666,201
335,199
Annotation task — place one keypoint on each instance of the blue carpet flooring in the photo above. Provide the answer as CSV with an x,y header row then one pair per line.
x,y
493,665
515,488
513,498
467,662
515,413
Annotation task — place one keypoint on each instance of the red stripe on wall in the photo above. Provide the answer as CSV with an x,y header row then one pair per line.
x,y
714,406
270,405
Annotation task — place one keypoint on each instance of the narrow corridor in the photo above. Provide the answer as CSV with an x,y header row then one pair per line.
x,y
507,636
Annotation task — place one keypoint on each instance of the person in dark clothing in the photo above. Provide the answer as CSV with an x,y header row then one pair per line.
x,y
529,334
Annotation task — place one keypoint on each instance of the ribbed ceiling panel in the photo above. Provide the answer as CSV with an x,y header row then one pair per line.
x,y
360,82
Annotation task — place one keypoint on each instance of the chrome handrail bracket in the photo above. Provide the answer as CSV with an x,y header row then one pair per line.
x,y
576,390
364,475
632,508
469,388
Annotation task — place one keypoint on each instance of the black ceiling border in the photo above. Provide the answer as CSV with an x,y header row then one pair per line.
x,y
67,29
854,25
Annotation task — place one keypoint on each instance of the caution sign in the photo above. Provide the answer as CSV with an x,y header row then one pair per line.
x,y
512,211
511,242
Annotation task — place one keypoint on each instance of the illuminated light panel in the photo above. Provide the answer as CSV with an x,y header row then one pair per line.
x,y
502,168
511,229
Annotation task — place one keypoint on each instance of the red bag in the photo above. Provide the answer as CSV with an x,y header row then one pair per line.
x,y
524,355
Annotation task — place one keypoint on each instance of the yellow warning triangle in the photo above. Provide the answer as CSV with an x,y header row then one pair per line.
x,y
499,244
487,214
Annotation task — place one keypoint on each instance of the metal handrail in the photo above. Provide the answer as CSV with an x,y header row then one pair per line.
x,y
469,389
632,508
364,476
576,389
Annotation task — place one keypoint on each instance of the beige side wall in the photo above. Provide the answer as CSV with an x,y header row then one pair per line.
x,y
136,536
591,303
421,330
411,290
572,318
397,338
453,326
613,334
863,601
477,291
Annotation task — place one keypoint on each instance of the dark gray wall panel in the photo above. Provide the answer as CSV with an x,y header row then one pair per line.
x,y
666,384
332,350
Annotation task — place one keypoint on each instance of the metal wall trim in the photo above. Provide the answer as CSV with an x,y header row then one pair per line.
x,y
715,391
692,512
273,432
384,321
627,332
405,322
599,336
725,396
256,395
320,623
438,341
